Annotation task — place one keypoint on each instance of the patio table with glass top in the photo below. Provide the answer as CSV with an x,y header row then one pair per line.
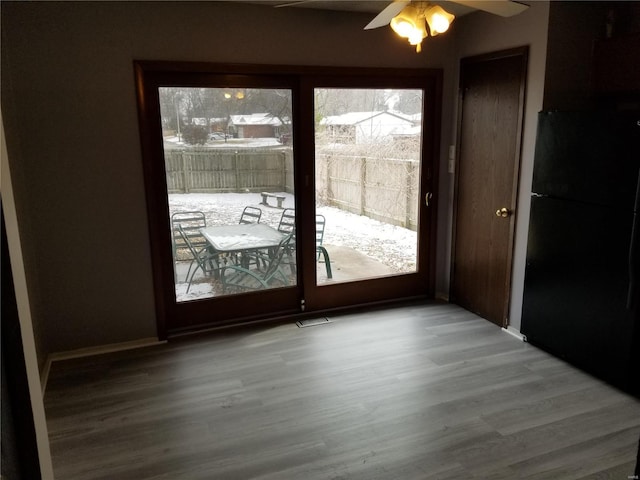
x,y
239,238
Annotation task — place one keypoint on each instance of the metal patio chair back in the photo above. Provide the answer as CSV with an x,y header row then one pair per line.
x,y
287,221
191,223
202,258
250,215
320,250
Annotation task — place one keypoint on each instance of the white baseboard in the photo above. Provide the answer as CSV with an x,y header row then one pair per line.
x,y
90,351
515,333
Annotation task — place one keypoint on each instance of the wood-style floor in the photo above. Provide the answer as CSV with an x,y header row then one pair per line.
x,y
413,392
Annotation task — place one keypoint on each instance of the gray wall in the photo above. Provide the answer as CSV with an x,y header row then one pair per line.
x,y
69,108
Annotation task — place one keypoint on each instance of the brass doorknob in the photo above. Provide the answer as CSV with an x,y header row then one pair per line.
x,y
503,212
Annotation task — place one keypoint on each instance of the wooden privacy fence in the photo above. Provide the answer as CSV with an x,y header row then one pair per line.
x,y
384,189
211,171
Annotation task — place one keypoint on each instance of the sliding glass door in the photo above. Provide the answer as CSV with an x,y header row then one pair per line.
x,y
276,191
367,153
373,145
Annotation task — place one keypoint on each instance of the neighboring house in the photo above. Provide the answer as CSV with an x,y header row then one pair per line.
x,y
367,127
255,125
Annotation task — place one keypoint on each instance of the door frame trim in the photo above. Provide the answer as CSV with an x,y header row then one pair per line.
x,y
523,53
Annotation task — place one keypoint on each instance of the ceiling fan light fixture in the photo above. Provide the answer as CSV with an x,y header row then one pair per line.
x,y
438,19
405,23
419,33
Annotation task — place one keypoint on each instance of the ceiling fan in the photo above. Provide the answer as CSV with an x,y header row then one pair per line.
x,y
409,19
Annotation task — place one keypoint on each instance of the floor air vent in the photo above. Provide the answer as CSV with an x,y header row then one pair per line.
x,y
312,322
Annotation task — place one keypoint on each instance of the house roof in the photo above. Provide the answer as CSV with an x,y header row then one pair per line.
x,y
203,121
255,119
354,118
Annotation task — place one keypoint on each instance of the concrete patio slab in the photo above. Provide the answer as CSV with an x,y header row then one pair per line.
x,y
348,265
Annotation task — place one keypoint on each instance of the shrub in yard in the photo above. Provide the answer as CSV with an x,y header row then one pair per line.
x,y
194,134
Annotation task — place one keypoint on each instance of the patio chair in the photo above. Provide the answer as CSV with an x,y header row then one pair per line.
x,y
287,221
191,223
203,258
287,224
250,215
320,250
240,279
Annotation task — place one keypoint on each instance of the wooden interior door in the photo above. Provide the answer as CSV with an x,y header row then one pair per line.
x,y
492,89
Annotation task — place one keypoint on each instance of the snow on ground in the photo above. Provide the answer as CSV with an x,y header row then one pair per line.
x,y
389,244
196,291
174,142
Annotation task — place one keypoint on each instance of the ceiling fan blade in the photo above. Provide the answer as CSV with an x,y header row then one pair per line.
x,y
385,16
292,4
503,8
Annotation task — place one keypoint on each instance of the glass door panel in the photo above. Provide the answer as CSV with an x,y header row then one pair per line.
x,y
229,172
367,177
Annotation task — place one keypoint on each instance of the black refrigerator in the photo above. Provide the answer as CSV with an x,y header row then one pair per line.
x,y
582,279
